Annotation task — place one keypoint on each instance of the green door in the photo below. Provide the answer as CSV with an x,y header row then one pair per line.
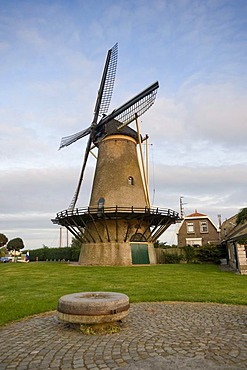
x,y
139,253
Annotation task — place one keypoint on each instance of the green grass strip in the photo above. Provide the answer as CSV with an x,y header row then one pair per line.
x,y
27,289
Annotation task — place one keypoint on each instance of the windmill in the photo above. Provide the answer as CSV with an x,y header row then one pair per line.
x,y
119,226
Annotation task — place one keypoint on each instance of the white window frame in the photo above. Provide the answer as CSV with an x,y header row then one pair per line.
x,y
190,224
203,224
194,241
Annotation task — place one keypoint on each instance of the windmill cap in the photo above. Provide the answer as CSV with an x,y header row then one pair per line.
x,y
111,128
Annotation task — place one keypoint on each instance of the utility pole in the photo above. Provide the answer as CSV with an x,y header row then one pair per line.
x,y
61,238
182,207
67,237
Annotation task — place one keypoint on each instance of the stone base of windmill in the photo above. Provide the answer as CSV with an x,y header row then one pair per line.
x,y
113,254
94,312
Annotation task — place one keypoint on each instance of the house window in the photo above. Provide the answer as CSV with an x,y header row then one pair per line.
x,y
194,242
204,227
190,227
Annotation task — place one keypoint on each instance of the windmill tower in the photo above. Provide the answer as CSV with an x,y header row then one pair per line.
x,y
118,227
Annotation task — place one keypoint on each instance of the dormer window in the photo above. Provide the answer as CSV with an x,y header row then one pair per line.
x,y
130,180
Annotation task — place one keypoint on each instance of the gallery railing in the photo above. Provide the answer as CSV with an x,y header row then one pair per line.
x,y
117,210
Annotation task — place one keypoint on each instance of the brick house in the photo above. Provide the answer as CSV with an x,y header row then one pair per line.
x,y
234,238
197,229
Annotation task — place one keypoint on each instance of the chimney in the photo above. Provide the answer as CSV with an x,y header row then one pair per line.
x,y
219,221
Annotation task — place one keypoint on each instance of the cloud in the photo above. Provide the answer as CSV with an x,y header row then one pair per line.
x,y
30,198
217,113
211,113
41,190
52,56
210,189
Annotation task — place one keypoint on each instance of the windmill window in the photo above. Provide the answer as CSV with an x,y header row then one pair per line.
x,y
190,227
101,203
130,180
204,227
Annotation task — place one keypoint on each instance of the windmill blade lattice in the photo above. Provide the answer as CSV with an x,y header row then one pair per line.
x,y
104,96
137,105
109,80
67,140
101,106
139,108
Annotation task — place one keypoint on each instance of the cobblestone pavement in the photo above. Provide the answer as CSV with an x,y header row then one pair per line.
x,y
153,336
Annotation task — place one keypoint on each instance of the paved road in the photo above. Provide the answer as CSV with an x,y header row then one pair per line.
x,y
154,336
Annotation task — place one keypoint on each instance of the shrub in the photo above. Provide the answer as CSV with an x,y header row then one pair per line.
x,y
209,253
172,258
189,253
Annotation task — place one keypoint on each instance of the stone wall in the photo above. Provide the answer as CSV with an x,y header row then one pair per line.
x,y
242,259
111,254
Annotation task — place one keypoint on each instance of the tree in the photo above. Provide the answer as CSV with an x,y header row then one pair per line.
x,y
241,216
3,240
2,252
75,243
15,244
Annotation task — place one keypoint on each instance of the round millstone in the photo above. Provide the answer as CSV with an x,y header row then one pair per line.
x,y
93,307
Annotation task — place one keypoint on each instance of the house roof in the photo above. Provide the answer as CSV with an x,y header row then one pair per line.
x,y
233,231
196,214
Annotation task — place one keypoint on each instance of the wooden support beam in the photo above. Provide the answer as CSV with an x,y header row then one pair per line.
x,y
96,227
127,231
106,227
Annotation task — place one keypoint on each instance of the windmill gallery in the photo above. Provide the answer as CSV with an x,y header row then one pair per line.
x,y
119,226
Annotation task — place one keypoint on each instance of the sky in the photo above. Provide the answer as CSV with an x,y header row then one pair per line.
x,y
52,55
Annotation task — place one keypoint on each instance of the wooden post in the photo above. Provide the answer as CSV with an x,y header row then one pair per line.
x,y
145,184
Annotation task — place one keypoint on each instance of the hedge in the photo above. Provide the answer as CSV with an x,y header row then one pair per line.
x,y
189,254
44,254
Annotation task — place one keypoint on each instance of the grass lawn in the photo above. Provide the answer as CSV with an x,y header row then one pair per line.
x,y
27,289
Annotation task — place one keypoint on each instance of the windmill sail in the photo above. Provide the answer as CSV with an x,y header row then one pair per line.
x,y
103,98
125,114
101,107
107,82
137,105
67,140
